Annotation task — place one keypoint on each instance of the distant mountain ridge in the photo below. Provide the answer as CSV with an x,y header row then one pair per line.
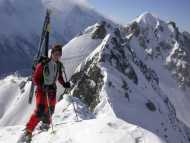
x,y
21,25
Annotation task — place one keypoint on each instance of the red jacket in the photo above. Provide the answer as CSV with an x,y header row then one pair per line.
x,y
38,76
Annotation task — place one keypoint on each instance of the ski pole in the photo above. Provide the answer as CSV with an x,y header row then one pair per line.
x,y
49,111
74,109
61,96
71,98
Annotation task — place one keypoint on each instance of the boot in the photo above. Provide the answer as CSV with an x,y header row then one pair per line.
x,y
26,137
44,127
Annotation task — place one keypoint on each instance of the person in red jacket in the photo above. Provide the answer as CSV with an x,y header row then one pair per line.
x,y
45,77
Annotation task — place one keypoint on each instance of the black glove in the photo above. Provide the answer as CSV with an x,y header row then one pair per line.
x,y
67,85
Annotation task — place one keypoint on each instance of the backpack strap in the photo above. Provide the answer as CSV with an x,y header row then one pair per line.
x,y
60,66
44,60
59,69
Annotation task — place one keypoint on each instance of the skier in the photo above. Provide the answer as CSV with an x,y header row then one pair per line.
x,y
45,76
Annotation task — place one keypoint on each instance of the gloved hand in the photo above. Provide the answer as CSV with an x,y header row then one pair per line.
x,y
67,85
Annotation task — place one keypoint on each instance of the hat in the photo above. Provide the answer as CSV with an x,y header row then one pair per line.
x,y
56,47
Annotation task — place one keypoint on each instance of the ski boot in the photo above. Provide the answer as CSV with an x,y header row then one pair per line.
x,y
44,127
26,137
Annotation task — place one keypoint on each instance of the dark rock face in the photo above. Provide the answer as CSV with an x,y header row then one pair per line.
x,y
117,58
150,105
181,68
133,28
100,32
89,82
177,33
180,61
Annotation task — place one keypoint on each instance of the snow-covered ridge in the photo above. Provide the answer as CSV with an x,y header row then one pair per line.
x,y
147,19
85,131
115,82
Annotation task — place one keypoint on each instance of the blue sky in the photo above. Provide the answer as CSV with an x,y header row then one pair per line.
x,y
126,10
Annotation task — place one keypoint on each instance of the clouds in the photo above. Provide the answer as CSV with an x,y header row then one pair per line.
x,y
81,1
66,2
64,5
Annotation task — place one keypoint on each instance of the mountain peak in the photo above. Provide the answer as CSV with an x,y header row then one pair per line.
x,y
147,18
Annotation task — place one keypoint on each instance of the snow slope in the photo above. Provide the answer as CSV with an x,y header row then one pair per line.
x,y
80,47
14,106
21,25
86,130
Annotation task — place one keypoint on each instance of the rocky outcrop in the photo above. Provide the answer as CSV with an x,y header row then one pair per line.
x,y
100,31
